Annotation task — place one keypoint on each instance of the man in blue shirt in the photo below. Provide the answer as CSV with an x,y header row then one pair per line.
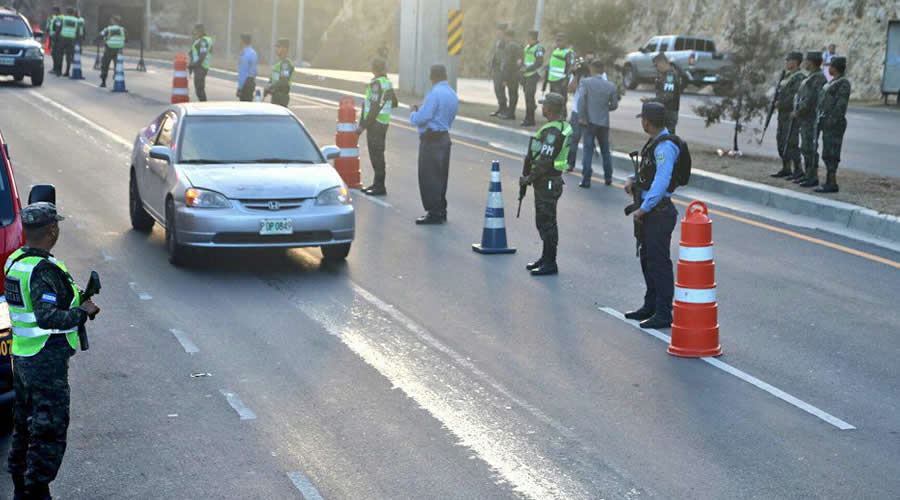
x,y
433,122
247,65
656,218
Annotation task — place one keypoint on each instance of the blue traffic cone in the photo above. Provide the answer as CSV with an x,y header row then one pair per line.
x,y
493,239
76,64
119,85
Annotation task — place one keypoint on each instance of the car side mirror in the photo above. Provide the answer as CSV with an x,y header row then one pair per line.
x,y
161,153
331,152
42,192
39,36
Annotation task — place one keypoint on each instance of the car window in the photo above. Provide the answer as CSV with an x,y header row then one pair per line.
x,y
7,210
664,45
165,131
710,46
13,25
651,45
246,139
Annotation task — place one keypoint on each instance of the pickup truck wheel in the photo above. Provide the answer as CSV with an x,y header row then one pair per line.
x,y
630,78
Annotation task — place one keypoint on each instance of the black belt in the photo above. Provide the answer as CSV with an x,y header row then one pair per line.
x,y
665,202
431,135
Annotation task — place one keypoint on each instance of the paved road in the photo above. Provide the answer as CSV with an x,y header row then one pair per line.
x,y
870,144
422,370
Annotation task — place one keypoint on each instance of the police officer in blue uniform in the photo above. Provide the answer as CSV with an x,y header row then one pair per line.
x,y
656,217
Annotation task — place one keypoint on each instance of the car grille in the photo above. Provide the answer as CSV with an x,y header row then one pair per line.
x,y
276,239
10,51
273,205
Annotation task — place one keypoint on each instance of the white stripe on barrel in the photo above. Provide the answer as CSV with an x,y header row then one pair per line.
x,y
695,254
695,295
346,127
495,200
181,74
495,176
350,153
179,91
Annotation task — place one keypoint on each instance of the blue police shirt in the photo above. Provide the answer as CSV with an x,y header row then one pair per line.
x,y
438,111
665,153
247,65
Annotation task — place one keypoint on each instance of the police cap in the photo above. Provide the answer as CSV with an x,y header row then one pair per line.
x,y
283,43
653,111
794,56
378,65
840,63
40,214
554,99
814,56
660,57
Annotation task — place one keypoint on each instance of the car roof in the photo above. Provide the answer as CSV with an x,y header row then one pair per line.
x,y
8,11
232,109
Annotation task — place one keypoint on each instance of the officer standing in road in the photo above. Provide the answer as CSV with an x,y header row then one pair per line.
x,y
46,311
668,89
832,121
559,69
282,75
114,40
67,34
805,114
656,217
788,135
79,36
54,26
201,58
247,65
512,63
549,151
375,119
496,70
532,62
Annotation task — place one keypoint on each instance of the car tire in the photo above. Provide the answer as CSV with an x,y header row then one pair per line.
x,y
630,78
19,77
177,252
140,219
37,78
336,253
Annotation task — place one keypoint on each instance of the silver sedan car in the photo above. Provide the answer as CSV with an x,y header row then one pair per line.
x,y
232,175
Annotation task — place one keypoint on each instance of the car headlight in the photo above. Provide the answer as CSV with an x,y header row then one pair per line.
x,y
338,195
34,52
201,198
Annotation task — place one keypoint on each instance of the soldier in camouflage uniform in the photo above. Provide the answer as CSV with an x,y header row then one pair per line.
x,y
46,311
549,153
832,121
668,89
805,114
788,131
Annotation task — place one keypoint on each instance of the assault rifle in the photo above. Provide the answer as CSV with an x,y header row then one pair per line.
x,y
636,200
772,106
93,288
526,171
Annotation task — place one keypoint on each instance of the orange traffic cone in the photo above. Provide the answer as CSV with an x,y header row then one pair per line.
x,y
695,321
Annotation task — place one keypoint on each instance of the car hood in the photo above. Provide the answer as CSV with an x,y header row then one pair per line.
x,y
263,182
18,43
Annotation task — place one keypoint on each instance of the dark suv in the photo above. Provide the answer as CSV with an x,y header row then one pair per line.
x,y
20,52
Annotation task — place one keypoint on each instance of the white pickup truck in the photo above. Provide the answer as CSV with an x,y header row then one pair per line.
x,y
696,59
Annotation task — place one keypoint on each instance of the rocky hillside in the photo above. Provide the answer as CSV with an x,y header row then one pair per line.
x,y
858,27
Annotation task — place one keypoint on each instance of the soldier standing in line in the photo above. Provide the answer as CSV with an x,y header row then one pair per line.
x,y
805,114
496,70
832,121
532,62
788,135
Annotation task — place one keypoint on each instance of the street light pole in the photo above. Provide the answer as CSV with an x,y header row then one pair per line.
x,y
301,8
274,31
147,15
538,15
228,29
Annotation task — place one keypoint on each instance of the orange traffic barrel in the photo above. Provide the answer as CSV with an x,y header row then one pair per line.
x,y
347,164
180,80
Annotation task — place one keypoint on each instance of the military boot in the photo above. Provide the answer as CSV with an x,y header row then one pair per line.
x,y
19,487
785,170
812,177
830,185
798,175
548,266
531,266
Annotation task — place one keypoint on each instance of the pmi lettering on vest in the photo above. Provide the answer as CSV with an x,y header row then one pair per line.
x,y
14,291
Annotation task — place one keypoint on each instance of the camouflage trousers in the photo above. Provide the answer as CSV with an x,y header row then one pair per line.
x,y
788,139
809,143
832,141
547,192
41,413
671,121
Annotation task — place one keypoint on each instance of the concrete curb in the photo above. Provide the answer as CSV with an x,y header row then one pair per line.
x,y
834,213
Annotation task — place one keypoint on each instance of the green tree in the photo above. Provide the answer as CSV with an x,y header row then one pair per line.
x,y
755,50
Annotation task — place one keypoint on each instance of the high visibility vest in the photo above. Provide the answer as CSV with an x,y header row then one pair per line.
x,y
384,116
281,69
80,30
50,21
115,36
196,50
28,337
530,58
558,64
69,27
561,162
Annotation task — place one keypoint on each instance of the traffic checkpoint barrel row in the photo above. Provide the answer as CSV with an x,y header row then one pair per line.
x,y
180,80
347,164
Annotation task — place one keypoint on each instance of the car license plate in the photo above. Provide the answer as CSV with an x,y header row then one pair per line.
x,y
7,61
710,79
276,226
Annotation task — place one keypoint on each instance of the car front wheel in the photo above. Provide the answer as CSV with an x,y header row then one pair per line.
x,y
336,253
140,219
630,78
37,77
177,252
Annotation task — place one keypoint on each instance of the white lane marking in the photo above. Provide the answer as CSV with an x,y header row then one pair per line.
x,y
140,293
189,347
750,379
106,255
373,199
238,405
304,485
90,123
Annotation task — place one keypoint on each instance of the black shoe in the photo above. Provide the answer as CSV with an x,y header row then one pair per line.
x,y
798,179
608,182
498,112
827,188
103,84
657,321
534,265
376,191
430,219
586,185
796,176
640,315
781,173
570,169
527,123
808,183
545,269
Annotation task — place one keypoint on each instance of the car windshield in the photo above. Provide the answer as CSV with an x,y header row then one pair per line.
x,y
7,212
246,139
11,25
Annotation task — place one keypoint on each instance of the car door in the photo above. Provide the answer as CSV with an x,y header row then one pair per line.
x,y
142,159
157,171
